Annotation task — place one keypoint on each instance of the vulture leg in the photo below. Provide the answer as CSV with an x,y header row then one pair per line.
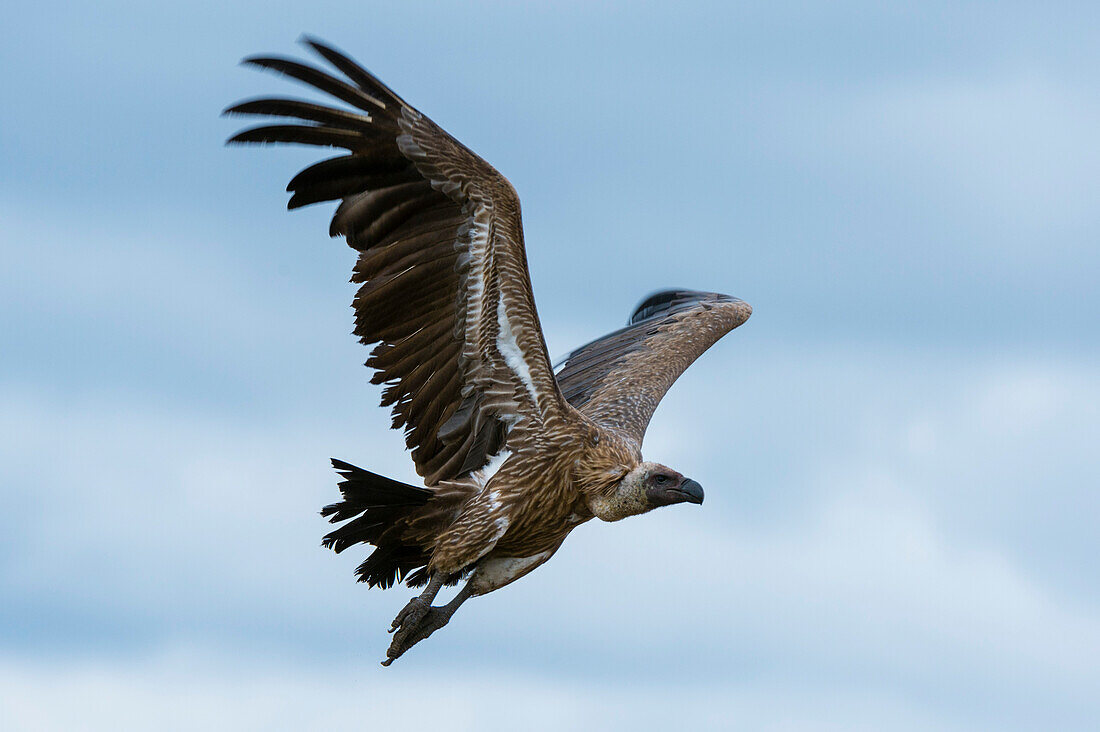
x,y
411,615
419,620
430,621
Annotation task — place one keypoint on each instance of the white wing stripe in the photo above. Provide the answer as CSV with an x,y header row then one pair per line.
x,y
509,349
495,462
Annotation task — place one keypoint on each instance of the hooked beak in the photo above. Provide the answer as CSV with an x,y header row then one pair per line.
x,y
690,491
686,491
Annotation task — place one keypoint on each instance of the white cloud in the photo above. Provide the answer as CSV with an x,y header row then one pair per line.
x,y
1016,152
189,690
890,540
855,591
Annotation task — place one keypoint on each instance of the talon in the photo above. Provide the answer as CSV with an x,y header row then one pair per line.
x,y
410,615
418,620
409,635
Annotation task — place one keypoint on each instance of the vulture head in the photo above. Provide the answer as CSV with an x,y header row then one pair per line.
x,y
648,486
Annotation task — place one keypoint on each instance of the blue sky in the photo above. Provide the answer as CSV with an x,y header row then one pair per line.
x,y
898,449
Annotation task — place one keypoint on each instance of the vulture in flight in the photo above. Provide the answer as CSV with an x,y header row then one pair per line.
x,y
514,454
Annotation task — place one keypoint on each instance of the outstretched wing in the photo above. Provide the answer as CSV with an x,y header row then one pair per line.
x,y
619,379
445,293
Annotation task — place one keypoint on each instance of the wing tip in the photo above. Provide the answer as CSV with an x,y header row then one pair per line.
x,y
661,302
262,60
321,48
664,302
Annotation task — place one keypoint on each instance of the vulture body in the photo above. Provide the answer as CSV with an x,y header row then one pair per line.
x,y
513,455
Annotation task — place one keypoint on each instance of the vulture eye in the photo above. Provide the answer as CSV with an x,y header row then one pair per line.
x,y
660,479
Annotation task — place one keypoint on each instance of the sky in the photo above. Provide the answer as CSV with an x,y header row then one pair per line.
x,y
899,448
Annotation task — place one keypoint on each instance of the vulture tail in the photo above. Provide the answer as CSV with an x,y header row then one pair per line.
x,y
377,510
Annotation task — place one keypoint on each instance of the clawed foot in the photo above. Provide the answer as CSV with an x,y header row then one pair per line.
x,y
410,615
415,626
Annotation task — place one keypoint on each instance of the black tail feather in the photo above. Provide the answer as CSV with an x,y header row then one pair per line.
x,y
375,508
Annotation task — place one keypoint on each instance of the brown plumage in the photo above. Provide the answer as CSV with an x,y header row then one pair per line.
x,y
513,456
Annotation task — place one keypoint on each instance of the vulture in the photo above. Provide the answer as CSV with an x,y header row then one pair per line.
x,y
514,453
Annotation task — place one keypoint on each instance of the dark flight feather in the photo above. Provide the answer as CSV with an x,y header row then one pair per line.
x,y
319,80
438,232
444,303
619,379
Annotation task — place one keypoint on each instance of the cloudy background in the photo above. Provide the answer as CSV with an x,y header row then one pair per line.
x,y
899,449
